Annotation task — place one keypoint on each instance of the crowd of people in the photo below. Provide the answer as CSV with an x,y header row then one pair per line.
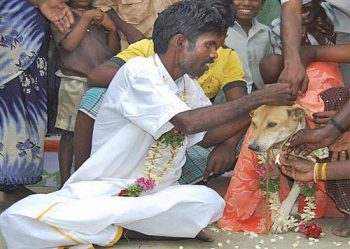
x,y
154,100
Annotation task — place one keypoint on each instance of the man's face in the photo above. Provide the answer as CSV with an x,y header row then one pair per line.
x,y
195,58
247,9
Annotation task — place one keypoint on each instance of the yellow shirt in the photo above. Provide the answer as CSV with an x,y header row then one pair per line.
x,y
224,73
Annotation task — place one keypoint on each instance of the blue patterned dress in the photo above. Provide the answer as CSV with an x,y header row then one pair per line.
x,y
23,83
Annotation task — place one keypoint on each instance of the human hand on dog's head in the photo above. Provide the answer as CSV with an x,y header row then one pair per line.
x,y
297,168
277,94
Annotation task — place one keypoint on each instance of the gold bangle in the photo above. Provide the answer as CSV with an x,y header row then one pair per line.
x,y
324,172
316,172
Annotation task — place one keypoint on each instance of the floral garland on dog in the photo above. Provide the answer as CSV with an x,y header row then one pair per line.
x,y
270,189
155,169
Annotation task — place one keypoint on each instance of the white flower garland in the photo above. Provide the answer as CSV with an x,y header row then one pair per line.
x,y
155,168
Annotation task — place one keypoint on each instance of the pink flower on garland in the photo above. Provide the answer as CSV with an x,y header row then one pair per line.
x,y
146,183
141,185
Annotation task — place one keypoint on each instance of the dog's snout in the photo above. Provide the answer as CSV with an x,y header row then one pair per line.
x,y
253,147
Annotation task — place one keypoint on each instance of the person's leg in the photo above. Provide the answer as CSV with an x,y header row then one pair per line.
x,y
82,138
65,155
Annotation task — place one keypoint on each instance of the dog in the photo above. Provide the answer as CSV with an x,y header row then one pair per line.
x,y
273,127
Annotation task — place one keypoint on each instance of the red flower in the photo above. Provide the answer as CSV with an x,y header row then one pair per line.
x,y
123,192
313,231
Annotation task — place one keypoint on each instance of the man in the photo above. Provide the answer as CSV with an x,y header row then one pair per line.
x,y
225,73
137,150
294,71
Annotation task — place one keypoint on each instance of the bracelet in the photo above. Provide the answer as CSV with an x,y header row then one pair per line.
x,y
316,172
337,125
324,172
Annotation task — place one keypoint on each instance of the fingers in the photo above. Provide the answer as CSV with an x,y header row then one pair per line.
x,y
304,84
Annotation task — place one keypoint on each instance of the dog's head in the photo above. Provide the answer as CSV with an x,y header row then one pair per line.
x,y
274,124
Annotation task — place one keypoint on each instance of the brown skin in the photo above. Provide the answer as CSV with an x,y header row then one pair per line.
x,y
303,170
246,10
294,72
57,12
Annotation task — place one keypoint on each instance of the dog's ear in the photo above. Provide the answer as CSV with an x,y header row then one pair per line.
x,y
251,114
296,112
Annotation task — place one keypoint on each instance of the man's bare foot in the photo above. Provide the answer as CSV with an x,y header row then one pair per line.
x,y
343,229
204,236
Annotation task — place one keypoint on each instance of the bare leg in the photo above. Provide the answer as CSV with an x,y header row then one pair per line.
x,y
128,234
343,229
270,68
82,138
65,155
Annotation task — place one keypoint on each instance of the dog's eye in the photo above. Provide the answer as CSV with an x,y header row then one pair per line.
x,y
271,124
254,125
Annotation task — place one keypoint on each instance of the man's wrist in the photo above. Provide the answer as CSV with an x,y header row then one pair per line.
x,y
330,132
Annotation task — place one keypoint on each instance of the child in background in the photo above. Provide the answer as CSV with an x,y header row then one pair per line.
x,y
250,39
91,41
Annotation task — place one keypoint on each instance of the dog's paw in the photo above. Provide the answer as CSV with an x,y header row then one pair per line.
x,y
283,223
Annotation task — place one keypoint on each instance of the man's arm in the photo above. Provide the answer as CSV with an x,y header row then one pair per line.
x,y
203,119
103,74
294,71
132,34
331,53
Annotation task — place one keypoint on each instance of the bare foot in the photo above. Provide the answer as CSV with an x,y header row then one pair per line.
x,y
204,236
343,229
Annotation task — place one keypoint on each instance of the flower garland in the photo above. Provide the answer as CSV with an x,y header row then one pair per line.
x,y
270,189
155,169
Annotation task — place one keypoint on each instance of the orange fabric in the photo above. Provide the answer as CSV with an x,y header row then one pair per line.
x,y
245,208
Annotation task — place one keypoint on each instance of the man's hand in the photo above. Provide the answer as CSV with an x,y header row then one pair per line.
x,y
297,168
295,75
57,12
220,160
322,118
277,94
308,140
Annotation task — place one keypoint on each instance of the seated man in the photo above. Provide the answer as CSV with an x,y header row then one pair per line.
x,y
226,72
152,111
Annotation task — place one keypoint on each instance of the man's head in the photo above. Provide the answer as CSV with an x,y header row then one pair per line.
x,y
192,31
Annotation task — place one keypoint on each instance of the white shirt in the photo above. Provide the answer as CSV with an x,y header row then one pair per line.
x,y
251,49
136,110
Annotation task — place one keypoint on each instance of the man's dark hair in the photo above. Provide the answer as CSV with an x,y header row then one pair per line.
x,y
190,19
225,8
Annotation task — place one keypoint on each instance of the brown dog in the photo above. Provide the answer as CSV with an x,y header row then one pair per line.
x,y
273,126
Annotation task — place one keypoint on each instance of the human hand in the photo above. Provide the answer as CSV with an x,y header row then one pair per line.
x,y
95,15
277,94
221,159
297,168
58,13
295,75
322,118
108,24
308,140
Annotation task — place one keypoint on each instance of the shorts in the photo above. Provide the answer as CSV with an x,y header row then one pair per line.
x,y
70,93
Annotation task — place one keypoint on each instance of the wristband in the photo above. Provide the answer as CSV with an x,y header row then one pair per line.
x,y
336,125
316,172
324,172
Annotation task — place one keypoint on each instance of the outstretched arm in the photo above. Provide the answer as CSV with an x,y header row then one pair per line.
x,y
294,71
302,170
203,119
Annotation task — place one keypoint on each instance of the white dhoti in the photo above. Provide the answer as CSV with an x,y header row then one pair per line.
x,y
52,220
